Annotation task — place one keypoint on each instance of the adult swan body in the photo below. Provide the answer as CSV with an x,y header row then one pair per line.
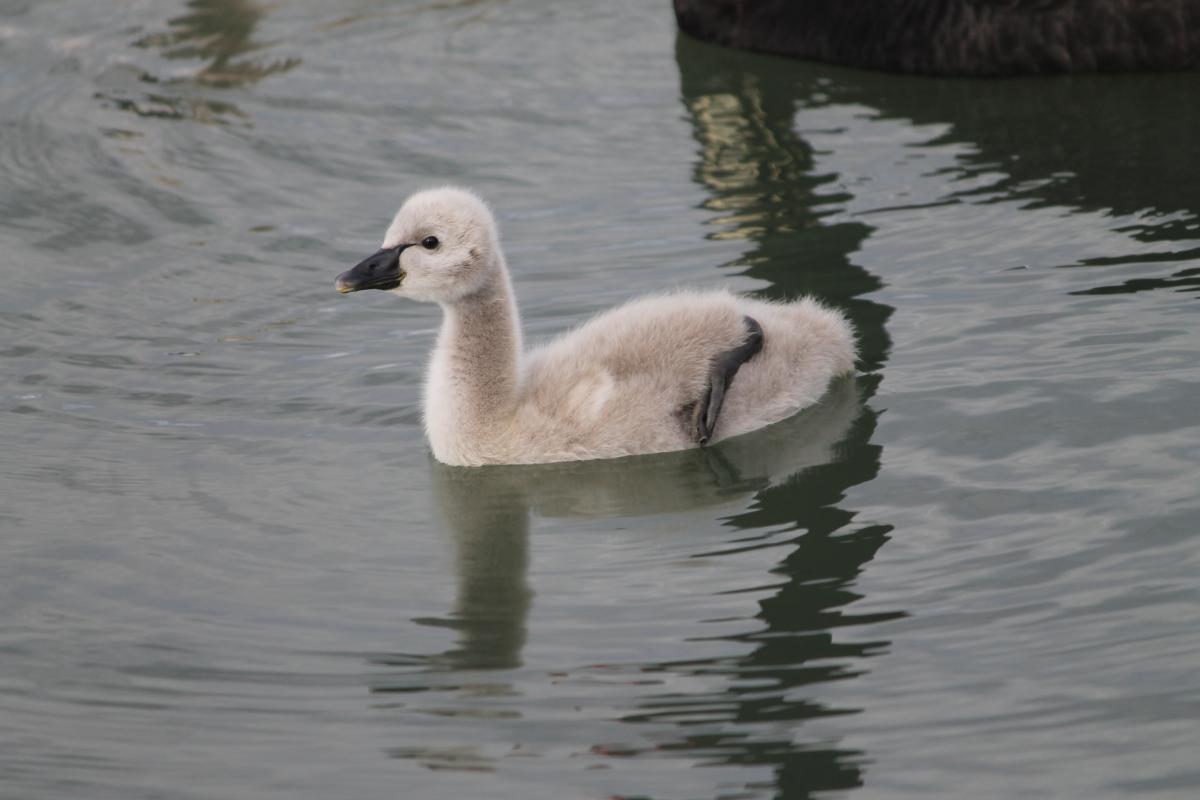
x,y
959,37
660,373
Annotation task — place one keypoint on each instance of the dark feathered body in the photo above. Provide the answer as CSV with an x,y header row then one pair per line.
x,y
959,37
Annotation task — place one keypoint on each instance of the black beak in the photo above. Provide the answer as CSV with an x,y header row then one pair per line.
x,y
380,270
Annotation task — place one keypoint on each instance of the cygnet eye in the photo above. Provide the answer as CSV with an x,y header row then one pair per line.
x,y
429,242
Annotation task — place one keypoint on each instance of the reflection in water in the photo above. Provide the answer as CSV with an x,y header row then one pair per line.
x,y
218,33
763,187
1119,144
760,175
762,700
1123,146
797,472
486,511
487,519
1185,280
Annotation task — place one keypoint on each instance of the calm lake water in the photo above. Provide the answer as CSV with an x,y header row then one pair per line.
x,y
229,567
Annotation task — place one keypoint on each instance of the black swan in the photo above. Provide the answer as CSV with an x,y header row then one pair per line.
x,y
959,37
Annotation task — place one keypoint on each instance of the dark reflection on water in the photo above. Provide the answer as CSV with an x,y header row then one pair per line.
x,y
796,473
1185,280
763,186
485,512
487,518
1118,145
217,33
760,175
797,645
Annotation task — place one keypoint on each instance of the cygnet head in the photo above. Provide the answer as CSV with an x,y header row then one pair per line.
x,y
441,247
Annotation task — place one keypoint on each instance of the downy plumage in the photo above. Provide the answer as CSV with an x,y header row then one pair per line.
x,y
635,379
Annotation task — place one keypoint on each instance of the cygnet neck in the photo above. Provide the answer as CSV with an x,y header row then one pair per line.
x,y
475,371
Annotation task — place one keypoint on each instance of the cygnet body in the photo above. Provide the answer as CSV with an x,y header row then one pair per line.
x,y
626,382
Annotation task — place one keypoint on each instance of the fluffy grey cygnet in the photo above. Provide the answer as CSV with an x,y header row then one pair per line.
x,y
660,373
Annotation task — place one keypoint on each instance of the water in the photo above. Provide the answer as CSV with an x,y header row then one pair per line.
x,y
229,567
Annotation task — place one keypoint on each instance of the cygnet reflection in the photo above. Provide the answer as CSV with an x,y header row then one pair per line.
x,y
486,511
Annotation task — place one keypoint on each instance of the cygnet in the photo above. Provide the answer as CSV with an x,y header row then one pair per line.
x,y
659,373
